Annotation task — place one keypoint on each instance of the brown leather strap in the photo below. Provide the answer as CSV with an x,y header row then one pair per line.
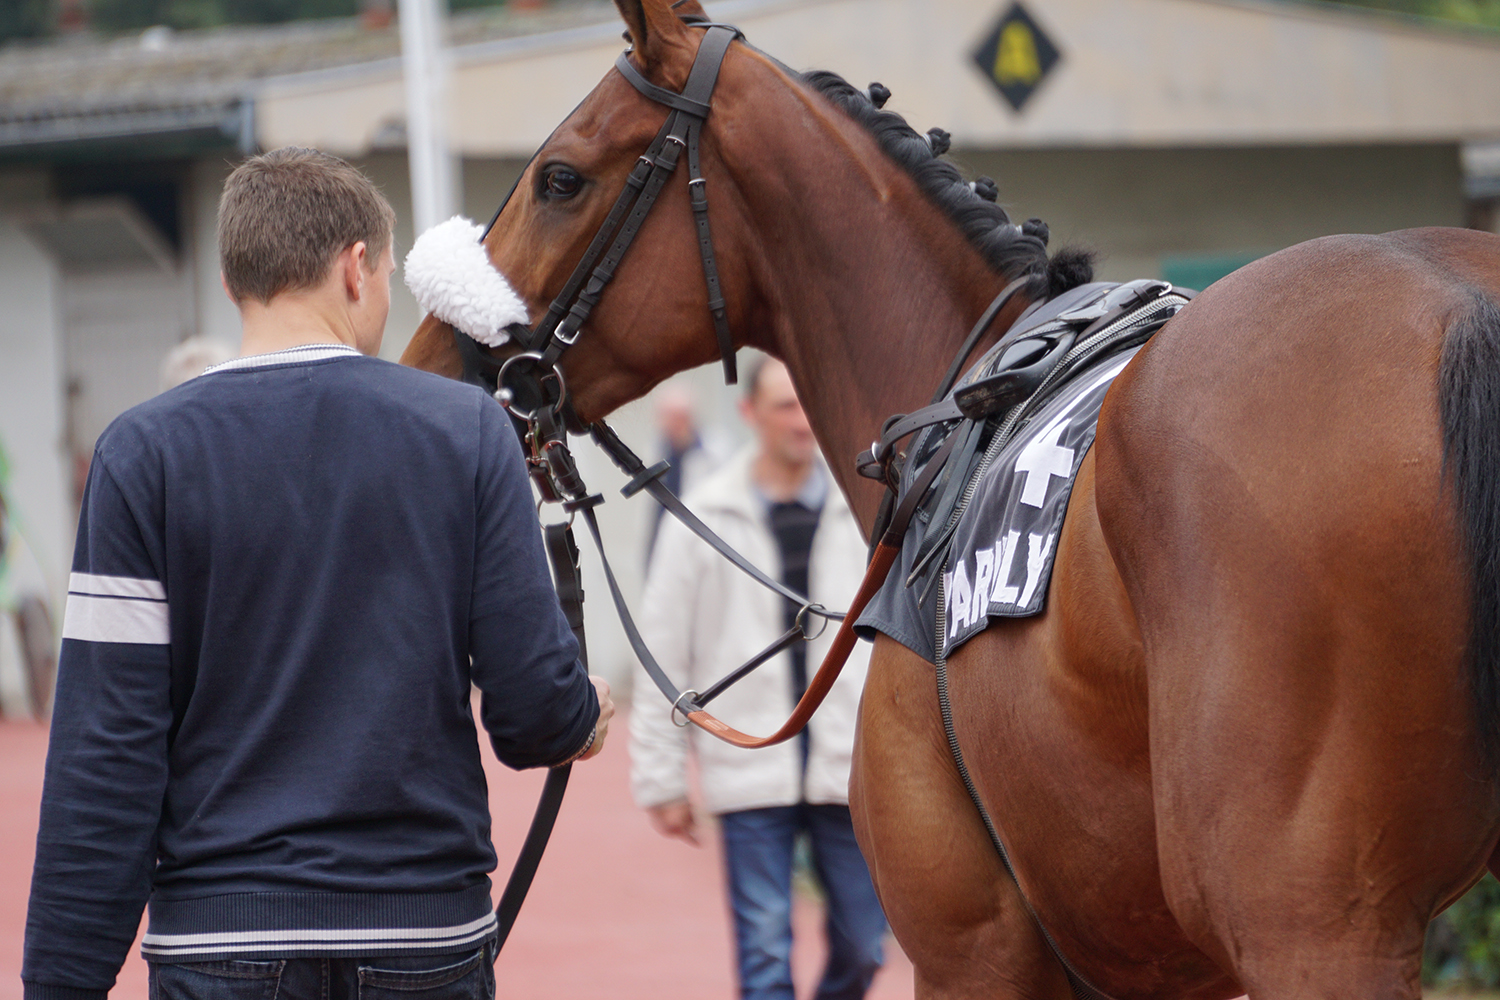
x,y
844,639
822,682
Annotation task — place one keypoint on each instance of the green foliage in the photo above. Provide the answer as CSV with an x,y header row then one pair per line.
x,y
132,15
25,18
1463,944
1483,13
275,11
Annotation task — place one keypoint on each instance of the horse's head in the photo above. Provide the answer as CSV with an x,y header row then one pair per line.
x,y
656,310
830,218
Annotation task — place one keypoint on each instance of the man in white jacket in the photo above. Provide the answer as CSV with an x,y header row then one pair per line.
x,y
775,503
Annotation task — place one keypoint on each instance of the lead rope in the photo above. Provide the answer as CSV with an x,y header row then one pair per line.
x,y
567,576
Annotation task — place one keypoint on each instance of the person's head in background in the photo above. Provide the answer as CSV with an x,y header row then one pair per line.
x,y
189,359
305,251
787,446
674,417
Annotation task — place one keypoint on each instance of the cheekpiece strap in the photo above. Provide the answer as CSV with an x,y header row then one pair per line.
x,y
693,103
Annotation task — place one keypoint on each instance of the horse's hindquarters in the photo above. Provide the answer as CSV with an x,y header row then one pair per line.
x,y
1270,485
1051,715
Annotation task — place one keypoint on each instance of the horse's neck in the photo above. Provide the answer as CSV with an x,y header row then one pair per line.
x,y
866,292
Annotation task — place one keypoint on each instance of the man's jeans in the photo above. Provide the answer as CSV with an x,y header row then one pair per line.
x,y
464,976
758,846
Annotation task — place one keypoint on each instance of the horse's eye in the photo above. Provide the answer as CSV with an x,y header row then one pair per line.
x,y
560,182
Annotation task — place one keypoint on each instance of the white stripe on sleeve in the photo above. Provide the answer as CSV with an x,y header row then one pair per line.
x,y
116,586
116,619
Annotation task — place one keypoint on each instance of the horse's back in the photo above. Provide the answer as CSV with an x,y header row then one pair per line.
x,y
1270,484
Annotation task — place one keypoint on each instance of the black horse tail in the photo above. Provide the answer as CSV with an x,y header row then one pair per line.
x,y
1469,401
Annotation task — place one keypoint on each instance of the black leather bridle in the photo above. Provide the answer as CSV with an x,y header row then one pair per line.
x,y
529,380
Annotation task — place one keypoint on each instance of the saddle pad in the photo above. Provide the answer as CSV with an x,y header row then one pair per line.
x,y
1000,561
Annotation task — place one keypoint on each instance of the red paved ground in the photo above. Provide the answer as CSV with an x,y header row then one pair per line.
x,y
616,912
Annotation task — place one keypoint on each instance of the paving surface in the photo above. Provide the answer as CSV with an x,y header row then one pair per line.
x,y
616,912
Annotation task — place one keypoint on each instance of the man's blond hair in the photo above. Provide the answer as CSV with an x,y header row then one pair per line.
x,y
285,215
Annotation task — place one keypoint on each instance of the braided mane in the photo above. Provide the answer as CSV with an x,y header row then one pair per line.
x,y
1013,250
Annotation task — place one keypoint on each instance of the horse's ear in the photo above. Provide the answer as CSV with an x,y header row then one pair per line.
x,y
654,26
634,13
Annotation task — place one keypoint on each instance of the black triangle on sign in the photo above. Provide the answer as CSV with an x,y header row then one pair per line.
x,y
1016,56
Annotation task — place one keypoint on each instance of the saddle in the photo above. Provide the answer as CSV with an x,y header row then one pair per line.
x,y
1043,375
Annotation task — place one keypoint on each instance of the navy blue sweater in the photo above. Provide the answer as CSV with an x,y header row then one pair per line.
x,y
288,573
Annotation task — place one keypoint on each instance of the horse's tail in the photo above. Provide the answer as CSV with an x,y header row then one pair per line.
x,y
1469,400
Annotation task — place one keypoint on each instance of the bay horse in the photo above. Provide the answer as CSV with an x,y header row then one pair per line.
x,y
1250,745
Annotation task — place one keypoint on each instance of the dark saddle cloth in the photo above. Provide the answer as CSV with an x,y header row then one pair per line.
x,y
982,544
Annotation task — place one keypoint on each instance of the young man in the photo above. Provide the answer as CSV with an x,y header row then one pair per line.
x,y
289,571
703,617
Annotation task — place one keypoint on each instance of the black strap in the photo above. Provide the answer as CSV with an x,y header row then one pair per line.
x,y
1081,987
693,103
567,576
565,317
672,99
530,857
649,481
988,317
875,463
698,193
480,368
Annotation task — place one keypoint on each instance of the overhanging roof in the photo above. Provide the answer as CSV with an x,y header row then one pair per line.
x,y
161,90
1132,72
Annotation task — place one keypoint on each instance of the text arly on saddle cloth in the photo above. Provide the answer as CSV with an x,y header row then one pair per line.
x,y
986,549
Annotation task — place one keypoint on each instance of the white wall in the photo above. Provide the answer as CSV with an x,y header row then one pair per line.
x,y
1133,72
31,429
216,315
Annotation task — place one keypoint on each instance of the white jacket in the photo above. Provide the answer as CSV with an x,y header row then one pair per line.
x,y
702,617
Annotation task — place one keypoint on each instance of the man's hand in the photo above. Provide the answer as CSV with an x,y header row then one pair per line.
x,y
606,712
675,819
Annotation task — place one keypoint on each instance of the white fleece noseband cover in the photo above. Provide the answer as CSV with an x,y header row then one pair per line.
x,y
450,273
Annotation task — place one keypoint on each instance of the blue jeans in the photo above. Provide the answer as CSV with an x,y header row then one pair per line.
x,y
758,847
467,975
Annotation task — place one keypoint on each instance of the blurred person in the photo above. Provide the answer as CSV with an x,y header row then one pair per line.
x,y
28,660
777,504
692,454
192,358
289,571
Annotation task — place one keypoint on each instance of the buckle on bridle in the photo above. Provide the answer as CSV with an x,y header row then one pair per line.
x,y
507,391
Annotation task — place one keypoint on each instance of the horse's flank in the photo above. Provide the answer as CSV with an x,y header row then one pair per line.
x,y
1239,751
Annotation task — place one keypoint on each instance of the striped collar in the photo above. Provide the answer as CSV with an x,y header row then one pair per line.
x,y
287,356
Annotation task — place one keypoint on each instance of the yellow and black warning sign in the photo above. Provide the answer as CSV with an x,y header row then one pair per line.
x,y
1016,56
